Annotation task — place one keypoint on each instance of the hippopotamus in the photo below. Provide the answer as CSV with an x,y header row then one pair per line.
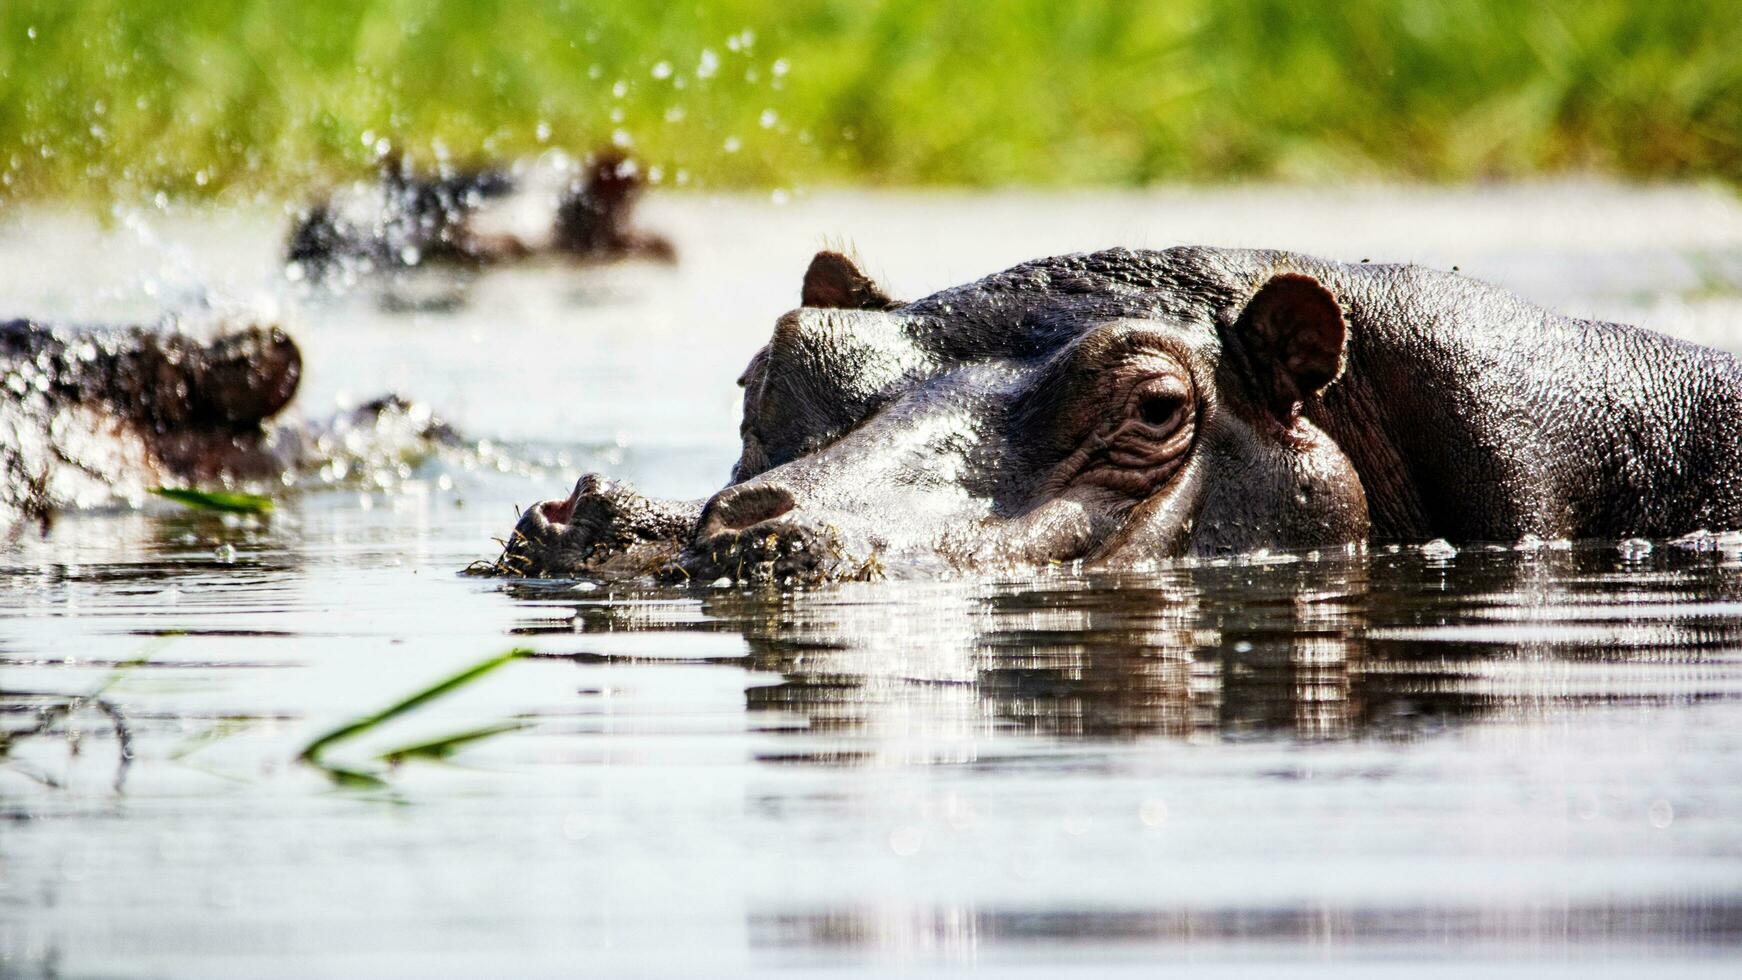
x,y
477,217
1124,407
90,415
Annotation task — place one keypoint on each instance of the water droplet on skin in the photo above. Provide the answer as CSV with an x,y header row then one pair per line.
x,y
1700,540
1439,549
1634,549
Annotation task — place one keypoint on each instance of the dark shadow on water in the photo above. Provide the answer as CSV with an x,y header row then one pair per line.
x,y
950,932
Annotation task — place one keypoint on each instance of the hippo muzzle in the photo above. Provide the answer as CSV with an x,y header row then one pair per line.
x,y
605,529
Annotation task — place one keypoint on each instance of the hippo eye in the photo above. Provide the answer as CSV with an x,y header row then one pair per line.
x,y
1159,409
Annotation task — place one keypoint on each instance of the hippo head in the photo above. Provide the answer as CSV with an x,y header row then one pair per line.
x,y
1113,408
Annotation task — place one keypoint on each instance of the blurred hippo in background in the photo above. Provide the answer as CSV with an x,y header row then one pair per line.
x,y
91,415
1121,407
475,217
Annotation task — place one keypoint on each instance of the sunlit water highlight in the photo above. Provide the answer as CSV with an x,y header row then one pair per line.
x,y
1531,755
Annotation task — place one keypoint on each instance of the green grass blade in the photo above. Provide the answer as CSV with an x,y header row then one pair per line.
x,y
447,745
352,778
218,500
312,751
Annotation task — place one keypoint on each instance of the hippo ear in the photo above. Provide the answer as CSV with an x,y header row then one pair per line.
x,y
243,377
834,282
1294,334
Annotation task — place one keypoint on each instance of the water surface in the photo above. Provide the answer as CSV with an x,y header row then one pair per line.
x,y
1532,756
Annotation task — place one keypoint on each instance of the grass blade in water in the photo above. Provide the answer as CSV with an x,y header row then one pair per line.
x,y
312,751
218,500
441,748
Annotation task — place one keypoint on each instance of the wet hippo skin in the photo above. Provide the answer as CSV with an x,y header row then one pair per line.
x,y
92,415
86,410
1126,406
407,218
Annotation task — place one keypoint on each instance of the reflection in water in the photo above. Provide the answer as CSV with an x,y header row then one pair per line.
x,y
1393,650
1389,647
956,933
1513,750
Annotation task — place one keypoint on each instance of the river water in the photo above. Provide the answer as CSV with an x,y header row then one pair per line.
x,y
1527,756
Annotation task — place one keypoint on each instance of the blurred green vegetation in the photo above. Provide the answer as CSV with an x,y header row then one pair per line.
x,y
121,97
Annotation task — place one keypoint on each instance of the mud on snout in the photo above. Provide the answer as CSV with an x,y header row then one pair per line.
x,y
606,530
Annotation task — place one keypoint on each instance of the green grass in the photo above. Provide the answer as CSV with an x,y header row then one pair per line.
x,y
130,97
224,501
314,753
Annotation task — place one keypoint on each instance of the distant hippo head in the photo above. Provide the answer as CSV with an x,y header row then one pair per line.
x,y
1112,408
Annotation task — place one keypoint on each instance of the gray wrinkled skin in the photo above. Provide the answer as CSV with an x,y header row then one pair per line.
x,y
1126,406
92,416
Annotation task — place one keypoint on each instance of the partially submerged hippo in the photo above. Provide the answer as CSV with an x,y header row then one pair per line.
x,y
477,217
92,415
1126,406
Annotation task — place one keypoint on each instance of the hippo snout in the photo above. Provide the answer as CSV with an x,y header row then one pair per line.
x,y
604,527
745,533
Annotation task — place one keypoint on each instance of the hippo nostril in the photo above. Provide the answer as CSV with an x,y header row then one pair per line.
x,y
590,486
558,511
563,511
737,508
